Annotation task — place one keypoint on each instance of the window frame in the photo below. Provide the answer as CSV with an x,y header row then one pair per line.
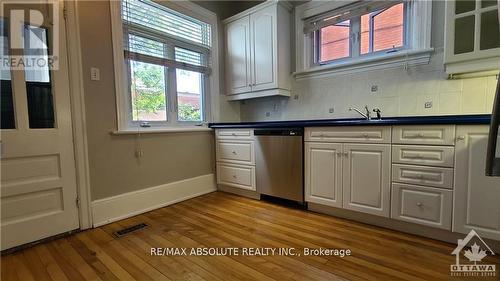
x,y
417,39
125,122
355,37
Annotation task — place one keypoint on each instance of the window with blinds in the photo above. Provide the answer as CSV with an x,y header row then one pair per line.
x,y
359,29
167,59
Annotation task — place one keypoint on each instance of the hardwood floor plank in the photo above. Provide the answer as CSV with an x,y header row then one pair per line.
x,y
103,257
221,220
53,269
36,266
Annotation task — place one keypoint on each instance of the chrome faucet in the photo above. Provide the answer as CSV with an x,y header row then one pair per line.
x,y
365,115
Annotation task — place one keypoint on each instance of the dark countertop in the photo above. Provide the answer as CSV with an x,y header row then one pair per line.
x,y
413,120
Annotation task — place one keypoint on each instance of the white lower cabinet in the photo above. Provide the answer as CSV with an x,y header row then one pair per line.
x,y
477,197
423,205
350,176
367,178
323,174
240,176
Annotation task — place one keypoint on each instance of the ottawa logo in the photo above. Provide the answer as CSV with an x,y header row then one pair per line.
x,y
473,249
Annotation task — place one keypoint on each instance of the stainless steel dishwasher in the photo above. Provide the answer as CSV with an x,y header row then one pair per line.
x,y
278,163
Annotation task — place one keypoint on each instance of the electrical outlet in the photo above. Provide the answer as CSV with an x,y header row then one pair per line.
x,y
428,104
374,89
268,114
331,110
95,74
295,97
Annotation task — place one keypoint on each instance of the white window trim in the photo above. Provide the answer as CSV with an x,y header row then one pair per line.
x,y
420,26
211,97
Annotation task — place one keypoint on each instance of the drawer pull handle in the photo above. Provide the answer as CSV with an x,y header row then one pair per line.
x,y
420,135
419,204
339,153
233,134
460,138
365,135
234,152
234,176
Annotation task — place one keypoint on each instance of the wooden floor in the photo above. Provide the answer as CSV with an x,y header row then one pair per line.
x,y
223,220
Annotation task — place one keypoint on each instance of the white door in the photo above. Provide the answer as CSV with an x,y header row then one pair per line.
x,y
477,197
323,173
38,186
366,184
264,48
238,56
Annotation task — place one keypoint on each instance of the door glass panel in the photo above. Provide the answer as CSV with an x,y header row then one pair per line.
x,y
189,93
6,101
464,34
147,91
490,33
38,81
487,3
462,6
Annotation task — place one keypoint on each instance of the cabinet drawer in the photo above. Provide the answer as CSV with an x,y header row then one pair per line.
x,y
366,134
423,155
428,134
240,152
430,176
236,175
422,205
234,134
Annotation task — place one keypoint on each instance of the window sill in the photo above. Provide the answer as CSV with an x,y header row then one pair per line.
x,y
161,131
385,61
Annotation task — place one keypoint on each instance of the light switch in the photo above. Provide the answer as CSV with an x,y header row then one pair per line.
x,y
95,74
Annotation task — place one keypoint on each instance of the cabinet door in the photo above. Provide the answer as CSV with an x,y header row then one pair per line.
x,y
476,204
238,56
323,173
263,48
366,181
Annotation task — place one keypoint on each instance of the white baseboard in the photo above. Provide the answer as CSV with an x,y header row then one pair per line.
x,y
130,204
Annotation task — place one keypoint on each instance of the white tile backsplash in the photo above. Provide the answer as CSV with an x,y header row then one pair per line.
x,y
400,93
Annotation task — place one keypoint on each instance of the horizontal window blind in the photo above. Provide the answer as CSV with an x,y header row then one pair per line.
x,y
150,15
345,13
161,36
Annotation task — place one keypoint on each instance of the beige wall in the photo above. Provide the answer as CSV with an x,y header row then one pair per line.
x,y
114,169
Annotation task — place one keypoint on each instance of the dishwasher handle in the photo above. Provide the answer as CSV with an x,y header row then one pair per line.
x,y
291,132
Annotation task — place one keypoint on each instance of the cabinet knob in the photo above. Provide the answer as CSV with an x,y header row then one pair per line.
x,y
346,154
234,176
460,138
233,134
419,204
339,153
234,152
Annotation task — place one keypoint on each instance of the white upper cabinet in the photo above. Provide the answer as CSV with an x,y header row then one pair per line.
x,y
238,54
472,37
476,202
258,52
